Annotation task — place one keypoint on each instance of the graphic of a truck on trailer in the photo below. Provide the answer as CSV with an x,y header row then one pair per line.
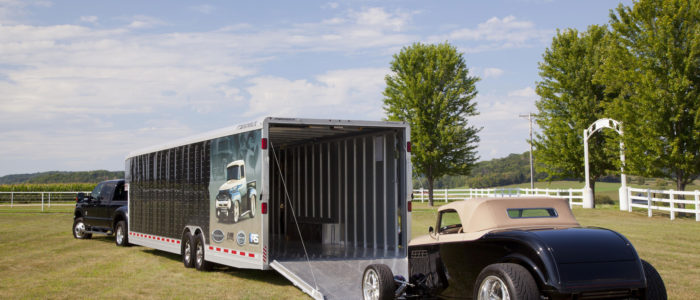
x,y
316,200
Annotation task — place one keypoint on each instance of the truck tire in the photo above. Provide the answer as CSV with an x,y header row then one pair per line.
x,y
252,206
505,281
199,262
656,290
187,250
121,236
378,283
79,229
236,211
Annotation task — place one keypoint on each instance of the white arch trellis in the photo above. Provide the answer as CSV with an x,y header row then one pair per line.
x,y
587,191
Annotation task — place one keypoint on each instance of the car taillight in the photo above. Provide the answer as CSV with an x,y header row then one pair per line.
x,y
263,208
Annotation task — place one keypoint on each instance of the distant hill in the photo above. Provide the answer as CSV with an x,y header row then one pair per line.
x,y
62,177
512,169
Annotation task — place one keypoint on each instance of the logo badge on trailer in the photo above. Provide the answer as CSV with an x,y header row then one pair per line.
x,y
217,236
240,238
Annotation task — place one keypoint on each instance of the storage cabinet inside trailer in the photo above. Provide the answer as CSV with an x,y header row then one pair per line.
x,y
342,191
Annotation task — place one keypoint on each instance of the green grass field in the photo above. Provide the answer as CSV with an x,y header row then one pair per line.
x,y
40,259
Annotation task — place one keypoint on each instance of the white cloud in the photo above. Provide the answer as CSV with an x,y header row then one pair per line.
x,y
335,93
204,9
89,19
141,21
496,33
492,73
527,92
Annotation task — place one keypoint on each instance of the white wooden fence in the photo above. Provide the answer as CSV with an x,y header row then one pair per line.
x,y
575,196
13,199
665,200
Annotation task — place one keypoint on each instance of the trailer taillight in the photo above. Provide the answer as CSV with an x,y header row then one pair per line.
x,y
408,146
263,144
409,206
263,208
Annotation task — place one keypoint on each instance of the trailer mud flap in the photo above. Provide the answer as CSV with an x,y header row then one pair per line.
x,y
333,278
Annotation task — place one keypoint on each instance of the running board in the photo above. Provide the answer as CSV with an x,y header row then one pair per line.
x,y
305,287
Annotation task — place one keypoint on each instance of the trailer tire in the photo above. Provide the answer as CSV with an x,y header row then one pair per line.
x,y
79,229
199,262
511,281
187,250
378,282
656,290
121,238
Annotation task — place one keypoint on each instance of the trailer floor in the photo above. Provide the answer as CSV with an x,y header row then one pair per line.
x,y
339,278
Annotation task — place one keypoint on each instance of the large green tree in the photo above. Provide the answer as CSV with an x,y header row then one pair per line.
x,y
570,101
430,88
653,63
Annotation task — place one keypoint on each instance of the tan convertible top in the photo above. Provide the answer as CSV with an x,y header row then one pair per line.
x,y
483,215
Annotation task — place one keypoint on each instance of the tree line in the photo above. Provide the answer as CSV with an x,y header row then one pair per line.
x,y
90,177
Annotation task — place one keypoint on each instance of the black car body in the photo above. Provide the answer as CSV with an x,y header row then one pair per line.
x,y
559,261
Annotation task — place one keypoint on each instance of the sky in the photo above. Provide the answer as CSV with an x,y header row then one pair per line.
x,y
83,83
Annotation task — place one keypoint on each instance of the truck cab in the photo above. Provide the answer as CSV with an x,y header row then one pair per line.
x,y
103,211
237,196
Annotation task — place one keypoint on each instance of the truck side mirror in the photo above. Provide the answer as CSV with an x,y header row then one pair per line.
x,y
81,197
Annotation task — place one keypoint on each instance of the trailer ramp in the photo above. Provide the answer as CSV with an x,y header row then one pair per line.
x,y
334,278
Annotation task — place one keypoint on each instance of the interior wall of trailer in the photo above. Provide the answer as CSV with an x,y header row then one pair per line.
x,y
345,193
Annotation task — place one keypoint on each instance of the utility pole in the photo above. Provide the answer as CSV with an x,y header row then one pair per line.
x,y
532,169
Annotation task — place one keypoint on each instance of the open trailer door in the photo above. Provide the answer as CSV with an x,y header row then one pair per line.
x,y
339,193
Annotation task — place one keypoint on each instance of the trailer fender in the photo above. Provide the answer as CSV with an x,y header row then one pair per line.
x,y
193,230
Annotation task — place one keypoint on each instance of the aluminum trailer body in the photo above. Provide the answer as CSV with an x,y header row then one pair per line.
x,y
322,199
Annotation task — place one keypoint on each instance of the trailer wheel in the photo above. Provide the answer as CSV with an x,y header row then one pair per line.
x,y
199,262
236,211
120,236
505,281
377,283
252,206
656,290
79,230
187,250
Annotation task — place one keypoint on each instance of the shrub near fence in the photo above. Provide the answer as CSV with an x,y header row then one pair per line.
x,y
575,196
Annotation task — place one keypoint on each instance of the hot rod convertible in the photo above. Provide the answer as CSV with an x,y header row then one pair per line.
x,y
517,248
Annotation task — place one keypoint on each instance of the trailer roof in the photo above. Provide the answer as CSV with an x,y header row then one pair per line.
x,y
258,124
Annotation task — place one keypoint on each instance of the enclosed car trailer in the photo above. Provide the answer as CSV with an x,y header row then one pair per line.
x,y
331,198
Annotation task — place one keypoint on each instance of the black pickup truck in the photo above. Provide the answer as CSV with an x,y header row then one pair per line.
x,y
104,211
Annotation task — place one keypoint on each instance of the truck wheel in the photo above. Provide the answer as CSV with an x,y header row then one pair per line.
x,y
252,206
187,250
505,281
120,236
656,290
79,230
236,211
199,262
377,283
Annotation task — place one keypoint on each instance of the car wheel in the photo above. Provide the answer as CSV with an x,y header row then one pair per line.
x,y
120,234
252,206
236,211
199,262
377,283
187,250
505,282
656,290
79,229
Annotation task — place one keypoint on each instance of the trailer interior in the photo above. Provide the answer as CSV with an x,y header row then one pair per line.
x,y
337,203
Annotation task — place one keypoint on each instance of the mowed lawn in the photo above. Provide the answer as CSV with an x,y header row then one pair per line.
x,y
40,259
